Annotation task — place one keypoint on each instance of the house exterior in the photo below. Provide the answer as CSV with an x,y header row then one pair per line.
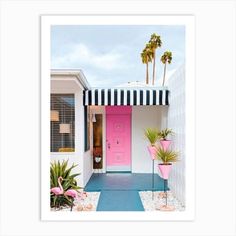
x,y
102,129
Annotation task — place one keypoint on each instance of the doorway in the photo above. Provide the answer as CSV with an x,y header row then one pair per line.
x,y
97,142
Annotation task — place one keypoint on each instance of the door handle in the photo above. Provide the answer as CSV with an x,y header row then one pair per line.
x,y
109,145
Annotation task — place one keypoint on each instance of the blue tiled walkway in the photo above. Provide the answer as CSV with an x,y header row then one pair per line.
x,y
124,181
120,191
119,200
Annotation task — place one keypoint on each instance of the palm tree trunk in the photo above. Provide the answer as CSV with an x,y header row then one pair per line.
x,y
154,67
164,75
147,79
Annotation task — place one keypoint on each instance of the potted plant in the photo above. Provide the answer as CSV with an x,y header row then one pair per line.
x,y
166,157
152,135
97,154
163,134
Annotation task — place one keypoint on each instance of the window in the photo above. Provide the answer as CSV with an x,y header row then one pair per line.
x,y
62,123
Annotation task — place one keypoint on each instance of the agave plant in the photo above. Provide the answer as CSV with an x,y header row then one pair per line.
x,y
166,156
152,135
164,133
58,169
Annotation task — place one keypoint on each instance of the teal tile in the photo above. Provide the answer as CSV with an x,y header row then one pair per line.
x,y
119,200
124,181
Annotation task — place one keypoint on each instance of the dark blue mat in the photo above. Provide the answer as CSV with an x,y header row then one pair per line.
x,y
117,200
124,181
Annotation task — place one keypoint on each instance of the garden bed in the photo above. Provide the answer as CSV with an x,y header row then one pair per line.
x,y
88,204
159,200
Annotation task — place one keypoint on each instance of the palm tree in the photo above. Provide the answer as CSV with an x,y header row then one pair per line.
x,y
146,58
166,57
155,42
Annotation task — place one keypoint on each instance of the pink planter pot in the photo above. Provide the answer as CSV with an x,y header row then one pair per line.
x,y
165,144
165,170
152,151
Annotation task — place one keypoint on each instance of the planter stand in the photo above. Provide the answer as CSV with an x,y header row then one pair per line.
x,y
165,170
152,151
165,144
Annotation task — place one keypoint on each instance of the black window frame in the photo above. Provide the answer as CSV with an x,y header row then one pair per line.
x,y
86,128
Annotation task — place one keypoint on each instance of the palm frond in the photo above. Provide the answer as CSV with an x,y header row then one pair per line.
x,y
166,57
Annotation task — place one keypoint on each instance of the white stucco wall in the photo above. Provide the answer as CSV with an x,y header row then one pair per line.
x,y
176,121
87,167
144,117
68,84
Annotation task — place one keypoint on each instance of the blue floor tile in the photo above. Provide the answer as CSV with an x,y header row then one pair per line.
x,y
118,200
124,181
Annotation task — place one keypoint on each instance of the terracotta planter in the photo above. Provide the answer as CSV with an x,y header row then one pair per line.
x,y
152,151
165,144
165,170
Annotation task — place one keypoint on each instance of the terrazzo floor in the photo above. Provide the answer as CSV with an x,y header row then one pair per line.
x,y
159,200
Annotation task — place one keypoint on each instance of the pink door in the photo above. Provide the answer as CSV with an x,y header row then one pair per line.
x,y
118,138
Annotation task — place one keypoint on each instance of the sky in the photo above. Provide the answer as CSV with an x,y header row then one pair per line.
x,y
109,55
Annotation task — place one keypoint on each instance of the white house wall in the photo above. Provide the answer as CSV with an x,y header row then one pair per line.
x,y
88,167
67,84
176,121
144,117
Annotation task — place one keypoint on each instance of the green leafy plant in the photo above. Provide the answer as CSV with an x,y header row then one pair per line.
x,y
61,169
152,135
164,133
166,156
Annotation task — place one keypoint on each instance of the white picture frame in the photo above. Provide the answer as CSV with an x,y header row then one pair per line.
x,y
189,22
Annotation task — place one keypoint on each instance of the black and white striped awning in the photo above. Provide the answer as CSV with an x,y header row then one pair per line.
x,y
126,97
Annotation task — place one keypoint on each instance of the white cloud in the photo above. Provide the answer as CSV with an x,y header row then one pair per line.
x,y
81,56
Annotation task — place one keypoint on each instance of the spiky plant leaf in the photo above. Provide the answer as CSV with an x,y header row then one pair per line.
x,y
164,133
152,135
167,156
62,169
